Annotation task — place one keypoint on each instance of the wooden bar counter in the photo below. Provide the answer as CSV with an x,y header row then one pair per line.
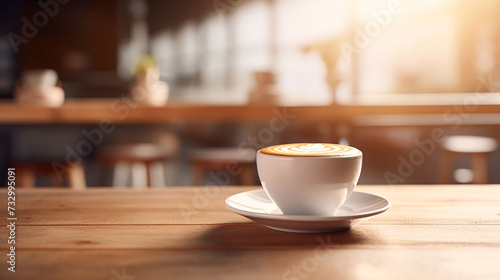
x,y
431,232
125,111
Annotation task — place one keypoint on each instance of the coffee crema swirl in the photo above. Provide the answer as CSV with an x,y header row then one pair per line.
x,y
311,150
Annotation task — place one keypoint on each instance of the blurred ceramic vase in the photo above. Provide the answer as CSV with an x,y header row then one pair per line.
x,y
265,90
39,87
149,90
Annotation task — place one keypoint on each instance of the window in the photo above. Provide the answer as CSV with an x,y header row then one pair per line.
x,y
396,47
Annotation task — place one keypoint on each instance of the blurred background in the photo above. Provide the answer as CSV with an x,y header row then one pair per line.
x,y
193,88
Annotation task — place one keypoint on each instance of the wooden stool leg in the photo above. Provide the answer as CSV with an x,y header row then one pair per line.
x,y
480,168
198,174
247,173
446,169
120,174
76,177
25,179
149,173
139,175
156,174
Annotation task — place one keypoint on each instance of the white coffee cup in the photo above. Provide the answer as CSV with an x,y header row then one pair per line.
x,y
311,182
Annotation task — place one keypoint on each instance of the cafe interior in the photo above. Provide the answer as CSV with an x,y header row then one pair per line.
x,y
156,94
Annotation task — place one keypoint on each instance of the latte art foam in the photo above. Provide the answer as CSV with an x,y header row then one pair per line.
x,y
311,150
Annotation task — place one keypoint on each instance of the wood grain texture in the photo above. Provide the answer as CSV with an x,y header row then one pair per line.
x,y
205,205
336,263
431,232
242,236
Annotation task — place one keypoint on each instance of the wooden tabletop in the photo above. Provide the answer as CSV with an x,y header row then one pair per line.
x,y
125,111
431,232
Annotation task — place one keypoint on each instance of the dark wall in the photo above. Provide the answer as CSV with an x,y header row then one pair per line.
x,y
86,27
9,11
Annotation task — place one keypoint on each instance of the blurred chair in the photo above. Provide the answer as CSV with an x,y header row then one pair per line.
x,y
27,172
234,161
142,162
475,147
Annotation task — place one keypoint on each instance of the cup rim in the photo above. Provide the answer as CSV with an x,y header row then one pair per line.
x,y
360,154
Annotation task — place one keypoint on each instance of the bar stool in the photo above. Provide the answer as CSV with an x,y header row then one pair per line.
x,y
74,175
144,162
475,147
138,160
223,159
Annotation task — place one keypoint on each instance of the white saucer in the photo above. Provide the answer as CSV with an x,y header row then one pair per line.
x,y
257,206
